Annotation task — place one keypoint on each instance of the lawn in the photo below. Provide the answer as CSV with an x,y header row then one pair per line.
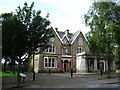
x,y
118,69
10,73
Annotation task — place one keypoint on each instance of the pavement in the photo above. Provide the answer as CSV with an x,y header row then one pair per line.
x,y
64,80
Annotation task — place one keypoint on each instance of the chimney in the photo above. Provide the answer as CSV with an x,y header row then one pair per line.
x,y
56,29
66,32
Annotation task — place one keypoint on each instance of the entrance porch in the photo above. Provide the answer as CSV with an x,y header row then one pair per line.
x,y
66,63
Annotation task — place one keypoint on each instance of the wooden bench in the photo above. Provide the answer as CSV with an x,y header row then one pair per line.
x,y
23,76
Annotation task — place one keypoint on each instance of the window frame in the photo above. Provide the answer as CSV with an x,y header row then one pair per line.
x,y
51,49
51,64
80,50
80,41
64,50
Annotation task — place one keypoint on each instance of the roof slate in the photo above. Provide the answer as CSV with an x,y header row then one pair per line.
x,y
71,36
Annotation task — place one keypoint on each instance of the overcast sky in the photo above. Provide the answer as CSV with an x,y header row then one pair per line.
x,y
63,14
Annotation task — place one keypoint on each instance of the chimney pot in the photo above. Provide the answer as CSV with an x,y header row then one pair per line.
x,y
67,32
56,29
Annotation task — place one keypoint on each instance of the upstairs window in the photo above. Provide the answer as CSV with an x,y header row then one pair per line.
x,y
65,41
52,39
80,50
64,50
80,41
50,49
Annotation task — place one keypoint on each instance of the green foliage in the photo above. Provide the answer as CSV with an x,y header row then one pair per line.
x,y
104,21
24,32
13,34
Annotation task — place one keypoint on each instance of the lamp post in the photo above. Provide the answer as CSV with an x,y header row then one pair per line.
x,y
71,60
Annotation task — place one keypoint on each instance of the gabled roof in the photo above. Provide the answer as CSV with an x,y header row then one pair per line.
x,y
75,35
71,37
58,36
66,37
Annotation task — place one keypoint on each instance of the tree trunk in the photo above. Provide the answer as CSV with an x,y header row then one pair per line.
x,y
4,68
18,74
33,67
109,71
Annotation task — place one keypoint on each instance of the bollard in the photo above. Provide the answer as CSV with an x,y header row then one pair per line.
x,y
71,72
49,72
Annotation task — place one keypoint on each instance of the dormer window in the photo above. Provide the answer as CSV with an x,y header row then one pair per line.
x,y
80,41
80,50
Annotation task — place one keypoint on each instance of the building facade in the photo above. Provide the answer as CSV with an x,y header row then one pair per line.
x,y
68,51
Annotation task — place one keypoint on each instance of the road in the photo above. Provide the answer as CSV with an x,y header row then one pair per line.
x,y
63,80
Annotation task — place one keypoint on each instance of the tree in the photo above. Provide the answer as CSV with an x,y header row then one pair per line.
x,y
12,30
103,20
29,35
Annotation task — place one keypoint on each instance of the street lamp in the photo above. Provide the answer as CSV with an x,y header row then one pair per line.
x,y
71,60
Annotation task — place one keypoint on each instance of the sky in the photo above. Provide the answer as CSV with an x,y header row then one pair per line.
x,y
63,14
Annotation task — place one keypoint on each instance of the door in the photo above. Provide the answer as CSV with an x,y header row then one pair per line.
x,y
65,65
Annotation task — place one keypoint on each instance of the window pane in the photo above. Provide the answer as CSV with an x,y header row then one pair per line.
x,y
52,39
45,59
47,50
53,49
64,50
45,62
65,41
49,62
53,62
50,49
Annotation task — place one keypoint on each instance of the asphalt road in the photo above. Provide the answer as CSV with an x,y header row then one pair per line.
x,y
64,80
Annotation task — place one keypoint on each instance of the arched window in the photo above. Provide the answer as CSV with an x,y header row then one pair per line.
x,y
80,50
51,49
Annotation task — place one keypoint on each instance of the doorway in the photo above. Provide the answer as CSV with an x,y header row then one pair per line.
x,y
65,66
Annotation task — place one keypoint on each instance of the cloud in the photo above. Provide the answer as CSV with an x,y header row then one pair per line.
x,y
64,14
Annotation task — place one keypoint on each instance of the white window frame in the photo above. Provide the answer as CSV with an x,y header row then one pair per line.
x,y
51,49
49,64
80,50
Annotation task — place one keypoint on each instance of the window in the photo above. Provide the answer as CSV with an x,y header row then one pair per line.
x,y
64,50
52,39
50,62
50,49
80,50
65,41
45,62
80,41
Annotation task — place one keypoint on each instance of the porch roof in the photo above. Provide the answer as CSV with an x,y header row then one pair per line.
x,y
66,56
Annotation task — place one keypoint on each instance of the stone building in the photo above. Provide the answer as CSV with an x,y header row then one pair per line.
x,y
68,51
